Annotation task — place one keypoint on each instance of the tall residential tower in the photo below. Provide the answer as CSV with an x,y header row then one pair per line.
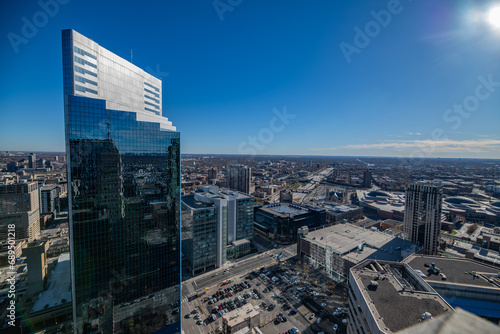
x,y
422,221
239,178
123,163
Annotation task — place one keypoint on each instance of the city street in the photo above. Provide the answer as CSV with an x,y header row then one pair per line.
x,y
238,268
273,302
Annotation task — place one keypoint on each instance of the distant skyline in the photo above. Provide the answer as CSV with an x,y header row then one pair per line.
x,y
379,78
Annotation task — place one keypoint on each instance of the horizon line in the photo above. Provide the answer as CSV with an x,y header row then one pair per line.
x,y
287,155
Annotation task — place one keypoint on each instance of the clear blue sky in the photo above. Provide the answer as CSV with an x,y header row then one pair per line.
x,y
225,76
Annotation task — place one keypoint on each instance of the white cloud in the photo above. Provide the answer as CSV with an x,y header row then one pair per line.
x,y
447,145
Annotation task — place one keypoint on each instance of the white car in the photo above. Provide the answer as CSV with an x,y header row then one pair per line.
x,y
312,316
335,327
318,321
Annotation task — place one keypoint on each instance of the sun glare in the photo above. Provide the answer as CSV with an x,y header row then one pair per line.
x,y
494,17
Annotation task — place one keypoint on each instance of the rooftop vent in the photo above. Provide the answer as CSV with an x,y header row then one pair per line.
x,y
426,316
374,283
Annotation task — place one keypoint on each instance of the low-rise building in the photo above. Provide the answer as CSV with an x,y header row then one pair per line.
x,y
236,320
336,212
391,223
279,222
473,210
383,204
57,247
490,241
338,248
53,304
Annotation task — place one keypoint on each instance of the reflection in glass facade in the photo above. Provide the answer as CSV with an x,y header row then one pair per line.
x,y
123,170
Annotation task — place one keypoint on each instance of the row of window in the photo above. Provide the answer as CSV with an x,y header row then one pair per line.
x,y
152,104
84,71
149,97
150,85
151,92
84,62
84,53
152,110
84,90
83,80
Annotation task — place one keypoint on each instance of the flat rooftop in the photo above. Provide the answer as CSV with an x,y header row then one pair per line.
x,y
493,237
49,187
241,242
208,193
343,208
194,204
393,308
456,270
286,209
459,321
237,316
391,202
59,288
345,239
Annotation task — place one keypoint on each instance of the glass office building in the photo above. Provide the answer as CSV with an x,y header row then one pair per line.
x,y
216,224
124,190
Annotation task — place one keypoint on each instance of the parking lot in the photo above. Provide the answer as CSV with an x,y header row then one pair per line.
x,y
289,299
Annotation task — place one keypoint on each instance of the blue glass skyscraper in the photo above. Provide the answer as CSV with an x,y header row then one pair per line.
x,y
124,190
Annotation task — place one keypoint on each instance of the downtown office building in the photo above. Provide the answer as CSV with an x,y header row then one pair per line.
x,y
124,194
216,224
